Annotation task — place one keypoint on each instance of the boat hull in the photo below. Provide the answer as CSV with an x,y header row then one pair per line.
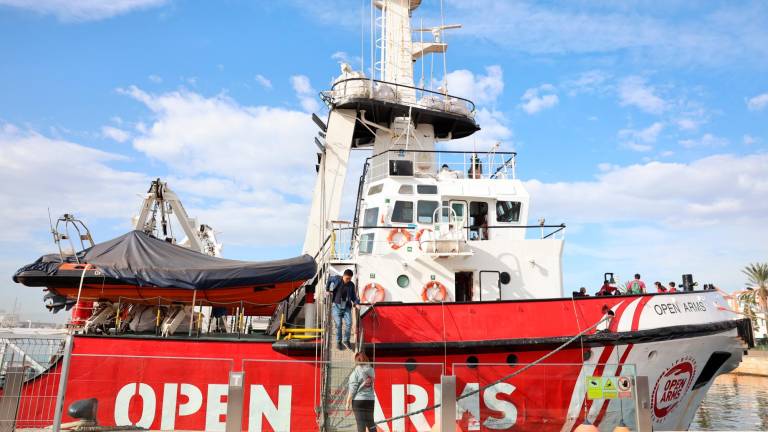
x,y
256,299
182,385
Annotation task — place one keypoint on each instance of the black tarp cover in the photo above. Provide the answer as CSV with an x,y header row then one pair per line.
x,y
139,259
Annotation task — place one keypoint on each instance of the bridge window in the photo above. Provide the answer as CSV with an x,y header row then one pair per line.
x,y
425,211
403,212
371,217
366,243
401,168
406,190
375,189
426,189
507,211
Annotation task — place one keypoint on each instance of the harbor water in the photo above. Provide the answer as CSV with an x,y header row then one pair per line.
x,y
735,402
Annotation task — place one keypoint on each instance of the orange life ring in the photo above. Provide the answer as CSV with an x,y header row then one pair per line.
x,y
441,294
377,296
421,233
391,237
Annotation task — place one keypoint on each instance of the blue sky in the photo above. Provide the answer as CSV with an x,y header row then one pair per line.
x,y
642,125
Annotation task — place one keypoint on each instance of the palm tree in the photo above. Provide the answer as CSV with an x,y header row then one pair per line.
x,y
757,291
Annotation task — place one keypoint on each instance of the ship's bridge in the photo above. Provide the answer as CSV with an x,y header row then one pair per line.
x,y
440,199
451,219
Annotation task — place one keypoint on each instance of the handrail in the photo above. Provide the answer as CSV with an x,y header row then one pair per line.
x,y
407,225
346,80
511,153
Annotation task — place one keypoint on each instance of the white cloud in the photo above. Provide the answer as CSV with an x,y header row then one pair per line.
x,y
345,57
687,124
662,219
306,94
758,102
593,81
641,140
633,91
236,157
749,139
539,98
39,172
706,140
341,56
672,33
83,10
494,129
263,81
719,188
157,79
481,89
115,134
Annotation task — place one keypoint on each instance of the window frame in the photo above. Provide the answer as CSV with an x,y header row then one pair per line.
x,y
519,211
431,213
424,186
368,240
376,217
378,189
394,211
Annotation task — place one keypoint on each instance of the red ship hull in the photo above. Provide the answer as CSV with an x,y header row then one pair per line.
x,y
182,384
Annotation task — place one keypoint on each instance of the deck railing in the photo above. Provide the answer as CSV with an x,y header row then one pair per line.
x,y
366,88
348,241
442,164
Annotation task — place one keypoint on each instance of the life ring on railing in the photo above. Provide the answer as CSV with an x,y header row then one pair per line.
x,y
442,293
391,237
378,295
421,233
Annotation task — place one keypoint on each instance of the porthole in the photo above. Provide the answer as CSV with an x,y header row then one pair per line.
x,y
512,360
652,355
504,278
587,355
410,365
471,362
403,281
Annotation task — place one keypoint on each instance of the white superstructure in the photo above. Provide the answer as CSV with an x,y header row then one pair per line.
x,y
430,224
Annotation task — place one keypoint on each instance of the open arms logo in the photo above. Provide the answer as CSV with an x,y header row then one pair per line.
x,y
672,386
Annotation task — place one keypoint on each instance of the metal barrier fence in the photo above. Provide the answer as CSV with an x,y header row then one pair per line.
x,y
29,377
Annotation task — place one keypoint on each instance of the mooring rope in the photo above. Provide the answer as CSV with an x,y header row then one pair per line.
x,y
504,378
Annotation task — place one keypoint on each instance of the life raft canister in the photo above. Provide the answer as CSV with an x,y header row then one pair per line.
x,y
442,293
391,237
378,294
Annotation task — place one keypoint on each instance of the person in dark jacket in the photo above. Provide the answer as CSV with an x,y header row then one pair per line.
x,y
341,291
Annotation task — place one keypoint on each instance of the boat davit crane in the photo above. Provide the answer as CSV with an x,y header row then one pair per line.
x,y
154,219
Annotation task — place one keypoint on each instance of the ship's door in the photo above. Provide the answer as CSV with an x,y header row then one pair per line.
x,y
463,284
460,210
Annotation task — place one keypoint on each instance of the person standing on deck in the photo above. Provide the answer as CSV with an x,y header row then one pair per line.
x,y
636,286
343,294
607,289
360,395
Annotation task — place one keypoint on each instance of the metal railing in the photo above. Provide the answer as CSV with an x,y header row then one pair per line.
x,y
348,239
29,378
442,164
367,88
